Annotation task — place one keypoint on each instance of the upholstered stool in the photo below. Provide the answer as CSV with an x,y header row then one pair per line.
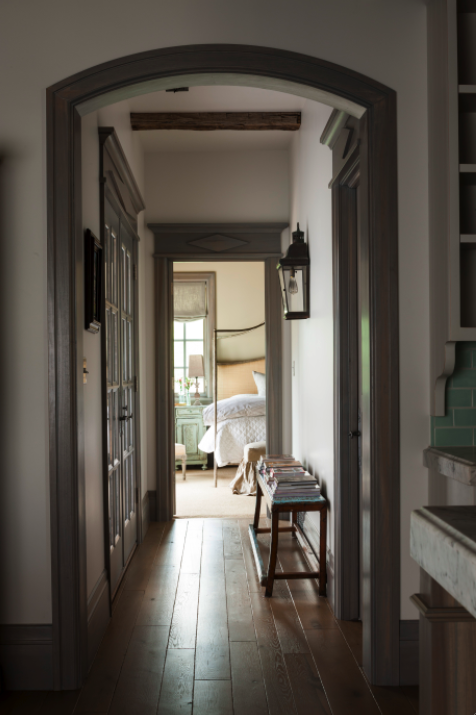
x,y
244,481
181,453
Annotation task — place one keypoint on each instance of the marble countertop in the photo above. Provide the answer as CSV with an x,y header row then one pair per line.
x,y
454,462
443,543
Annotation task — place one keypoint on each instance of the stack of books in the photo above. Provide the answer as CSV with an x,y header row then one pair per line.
x,y
285,478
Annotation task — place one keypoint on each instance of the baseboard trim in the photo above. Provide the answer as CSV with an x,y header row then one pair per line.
x,y
152,505
409,652
145,514
26,656
99,615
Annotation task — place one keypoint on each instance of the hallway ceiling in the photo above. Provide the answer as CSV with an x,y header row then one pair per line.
x,y
215,99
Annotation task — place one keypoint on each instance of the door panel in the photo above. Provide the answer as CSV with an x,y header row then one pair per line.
x,y
128,394
111,241
120,397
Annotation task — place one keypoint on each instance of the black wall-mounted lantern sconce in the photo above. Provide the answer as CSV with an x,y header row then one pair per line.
x,y
293,270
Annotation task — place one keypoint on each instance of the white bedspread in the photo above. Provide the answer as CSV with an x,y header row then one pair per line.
x,y
232,436
235,407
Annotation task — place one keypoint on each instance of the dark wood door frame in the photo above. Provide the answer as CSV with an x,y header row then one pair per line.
x,y
66,463
346,364
231,242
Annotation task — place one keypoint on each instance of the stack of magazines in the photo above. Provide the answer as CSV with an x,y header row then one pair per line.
x,y
286,478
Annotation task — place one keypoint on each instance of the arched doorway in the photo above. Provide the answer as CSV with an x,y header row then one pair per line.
x,y
246,66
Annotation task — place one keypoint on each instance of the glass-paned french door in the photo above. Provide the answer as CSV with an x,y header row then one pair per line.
x,y
120,396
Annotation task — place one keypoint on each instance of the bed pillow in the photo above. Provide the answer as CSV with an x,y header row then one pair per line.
x,y
260,381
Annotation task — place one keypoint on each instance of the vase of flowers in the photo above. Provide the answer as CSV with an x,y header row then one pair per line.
x,y
185,383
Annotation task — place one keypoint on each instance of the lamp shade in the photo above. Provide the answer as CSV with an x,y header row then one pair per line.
x,y
195,366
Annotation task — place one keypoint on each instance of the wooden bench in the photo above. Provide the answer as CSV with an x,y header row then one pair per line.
x,y
293,505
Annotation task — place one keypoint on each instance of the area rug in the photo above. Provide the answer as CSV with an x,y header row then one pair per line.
x,y
197,497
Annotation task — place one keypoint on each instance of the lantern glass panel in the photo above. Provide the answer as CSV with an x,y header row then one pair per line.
x,y
294,291
282,282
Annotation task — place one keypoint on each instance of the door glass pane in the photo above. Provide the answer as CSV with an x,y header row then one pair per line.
x,y
108,350
115,427
113,268
133,484
107,239
112,349
111,510
117,503
124,280
129,285
115,347
108,428
125,412
131,421
129,338
125,367
127,507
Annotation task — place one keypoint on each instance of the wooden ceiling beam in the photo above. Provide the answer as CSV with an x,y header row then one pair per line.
x,y
212,121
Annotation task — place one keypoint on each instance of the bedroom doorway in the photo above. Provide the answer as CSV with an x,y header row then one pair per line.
x,y
208,296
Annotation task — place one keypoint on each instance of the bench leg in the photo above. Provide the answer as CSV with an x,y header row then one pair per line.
x,y
184,469
257,506
323,553
273,553
294,522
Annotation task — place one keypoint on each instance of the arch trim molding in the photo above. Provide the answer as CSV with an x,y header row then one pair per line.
x,y
116,80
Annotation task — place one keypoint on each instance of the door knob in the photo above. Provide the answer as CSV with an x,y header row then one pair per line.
x,y
125,418
354,434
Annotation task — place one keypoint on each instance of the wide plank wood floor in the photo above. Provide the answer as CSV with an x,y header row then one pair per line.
x,y
191,634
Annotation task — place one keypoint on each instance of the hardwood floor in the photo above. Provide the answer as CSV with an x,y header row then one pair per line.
x,y
192,634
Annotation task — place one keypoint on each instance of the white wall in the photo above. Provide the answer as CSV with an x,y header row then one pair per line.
x,y
42,43
312,344
240,304
217,186
312,339
118,117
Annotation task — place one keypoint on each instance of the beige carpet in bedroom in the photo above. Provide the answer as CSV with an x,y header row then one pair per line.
x,y
198,497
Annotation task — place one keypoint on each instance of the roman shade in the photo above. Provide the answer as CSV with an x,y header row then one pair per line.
x,y
190,300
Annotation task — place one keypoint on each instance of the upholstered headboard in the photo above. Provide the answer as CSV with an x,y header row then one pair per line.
x,y
237,378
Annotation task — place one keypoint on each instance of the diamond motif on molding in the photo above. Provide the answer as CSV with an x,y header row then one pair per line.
x,y
217,243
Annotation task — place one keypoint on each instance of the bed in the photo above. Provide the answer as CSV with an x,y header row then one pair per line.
x,y
241,420
241,412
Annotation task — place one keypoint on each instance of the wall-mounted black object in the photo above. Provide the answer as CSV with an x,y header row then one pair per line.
x,y
92,282
293,270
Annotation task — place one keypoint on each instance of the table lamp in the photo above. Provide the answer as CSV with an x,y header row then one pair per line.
x,y
195,369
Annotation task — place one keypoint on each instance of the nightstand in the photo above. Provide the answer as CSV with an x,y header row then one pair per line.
x,y
189,430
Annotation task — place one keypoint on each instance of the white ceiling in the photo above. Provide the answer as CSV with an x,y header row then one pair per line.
x,y
215,99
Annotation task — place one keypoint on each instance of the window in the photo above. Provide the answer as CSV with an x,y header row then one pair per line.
x,y
195,337
188,340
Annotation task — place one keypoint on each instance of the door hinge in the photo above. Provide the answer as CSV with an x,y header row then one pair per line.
x,y
135,271
136,384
